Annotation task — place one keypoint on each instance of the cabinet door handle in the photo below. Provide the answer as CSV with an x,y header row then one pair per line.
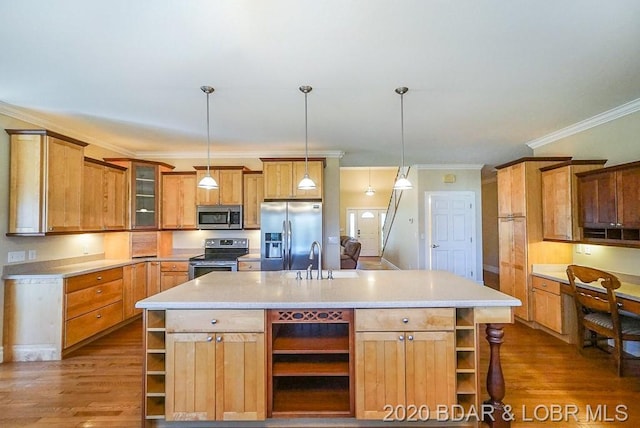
x,y
405,320
209,339
401,338
99,316
214,321
219,339
98,291
410,337
99,278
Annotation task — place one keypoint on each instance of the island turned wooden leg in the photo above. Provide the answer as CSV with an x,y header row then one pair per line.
x,y
495,380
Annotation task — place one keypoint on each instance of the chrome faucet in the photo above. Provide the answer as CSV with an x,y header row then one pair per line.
x,y
313,245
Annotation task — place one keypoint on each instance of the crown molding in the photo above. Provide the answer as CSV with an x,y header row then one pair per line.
x,y
599,119
242,154
40,122
448,166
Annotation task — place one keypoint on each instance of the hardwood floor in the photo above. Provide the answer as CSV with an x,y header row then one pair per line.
x,y
100,385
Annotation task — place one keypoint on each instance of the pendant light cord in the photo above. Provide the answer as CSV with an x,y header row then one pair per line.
x,y
402,129
306,150
208,140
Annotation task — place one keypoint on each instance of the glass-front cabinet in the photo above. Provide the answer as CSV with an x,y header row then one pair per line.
x,y
145,192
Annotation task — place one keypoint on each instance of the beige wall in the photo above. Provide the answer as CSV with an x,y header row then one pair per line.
x,y
619,142
352,196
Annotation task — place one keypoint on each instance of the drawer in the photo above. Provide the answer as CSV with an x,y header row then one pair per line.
x,y
174,266
91,323
89,279
91,298
546,285
410,319
242,266
214,320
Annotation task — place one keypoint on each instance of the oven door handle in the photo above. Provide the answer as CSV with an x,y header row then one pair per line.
x,y
229,219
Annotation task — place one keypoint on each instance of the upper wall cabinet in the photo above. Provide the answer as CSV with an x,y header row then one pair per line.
x,y
253,197
144,190
560,199
179,200
229,192
281,178
610,204
45,182
104,199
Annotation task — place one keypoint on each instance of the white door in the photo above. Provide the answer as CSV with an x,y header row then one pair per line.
x,y
365,225
451,229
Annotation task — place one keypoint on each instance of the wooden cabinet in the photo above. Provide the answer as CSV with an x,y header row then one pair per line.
x,y
179,200
153,278
215,365
548,309
610,204
560,199
229,192
134,287
104,196
310,362
281,178
45,182
144,191
93,303
520,236
512,244
404,357
172,274
253,197
248,266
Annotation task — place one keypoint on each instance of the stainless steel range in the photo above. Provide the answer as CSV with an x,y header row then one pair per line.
x,y
220,254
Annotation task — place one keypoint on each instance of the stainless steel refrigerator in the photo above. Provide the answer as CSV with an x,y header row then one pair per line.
x,y
288,228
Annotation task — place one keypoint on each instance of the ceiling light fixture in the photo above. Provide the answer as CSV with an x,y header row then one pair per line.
x,y
208,182
306,183
402,183
370,190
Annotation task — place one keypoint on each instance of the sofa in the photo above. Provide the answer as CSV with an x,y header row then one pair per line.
x,y
350,252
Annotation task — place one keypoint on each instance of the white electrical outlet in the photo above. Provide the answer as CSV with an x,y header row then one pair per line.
x,y
32,254
16,256
587,250
85,249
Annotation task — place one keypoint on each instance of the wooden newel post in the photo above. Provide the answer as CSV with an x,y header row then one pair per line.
x,y
495,380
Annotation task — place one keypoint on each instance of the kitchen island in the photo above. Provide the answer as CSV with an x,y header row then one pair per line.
x,y
368,347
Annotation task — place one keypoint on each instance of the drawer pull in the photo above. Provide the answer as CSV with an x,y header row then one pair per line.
x,y
219,339
209,339
405,320
544,284
410,337
99,316
214,321
99,278
401,338
98,291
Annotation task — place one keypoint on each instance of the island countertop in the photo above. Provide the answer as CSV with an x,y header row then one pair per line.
x,y
349,289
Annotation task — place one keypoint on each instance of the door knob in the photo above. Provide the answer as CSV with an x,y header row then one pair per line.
x,y
434,245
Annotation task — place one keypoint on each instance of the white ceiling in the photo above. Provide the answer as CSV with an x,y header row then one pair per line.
x,y
484,76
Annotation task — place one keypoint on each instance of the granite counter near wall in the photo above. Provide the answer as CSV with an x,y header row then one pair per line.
x,y
63,268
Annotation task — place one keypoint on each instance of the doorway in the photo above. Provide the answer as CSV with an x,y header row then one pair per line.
x,y
365,224
450,226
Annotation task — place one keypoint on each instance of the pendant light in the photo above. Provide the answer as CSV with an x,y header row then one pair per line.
x,y
370,190
306,183
208,182
402,183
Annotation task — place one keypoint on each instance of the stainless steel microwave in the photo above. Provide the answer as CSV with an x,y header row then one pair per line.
x,y
219,216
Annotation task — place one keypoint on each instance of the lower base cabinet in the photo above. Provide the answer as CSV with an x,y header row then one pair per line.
x,y
548,309
215,365
404,369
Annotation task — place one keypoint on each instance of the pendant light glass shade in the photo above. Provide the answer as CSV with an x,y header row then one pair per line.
x,y
370,190
208,182
306,183
402,183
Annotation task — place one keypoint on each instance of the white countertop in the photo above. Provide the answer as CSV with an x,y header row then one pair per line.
x,y
629,290
369,289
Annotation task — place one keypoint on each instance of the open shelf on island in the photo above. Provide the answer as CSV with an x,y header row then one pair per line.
x,y
311,397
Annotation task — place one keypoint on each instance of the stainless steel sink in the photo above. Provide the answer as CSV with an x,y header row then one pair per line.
x,y
337,274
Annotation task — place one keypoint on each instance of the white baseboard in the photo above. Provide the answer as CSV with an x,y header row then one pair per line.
x,y
34,353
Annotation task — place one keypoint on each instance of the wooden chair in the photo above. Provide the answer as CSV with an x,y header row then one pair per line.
x,y
600,315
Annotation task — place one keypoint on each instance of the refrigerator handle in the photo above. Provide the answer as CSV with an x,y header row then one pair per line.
x,y
285,253
289,243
